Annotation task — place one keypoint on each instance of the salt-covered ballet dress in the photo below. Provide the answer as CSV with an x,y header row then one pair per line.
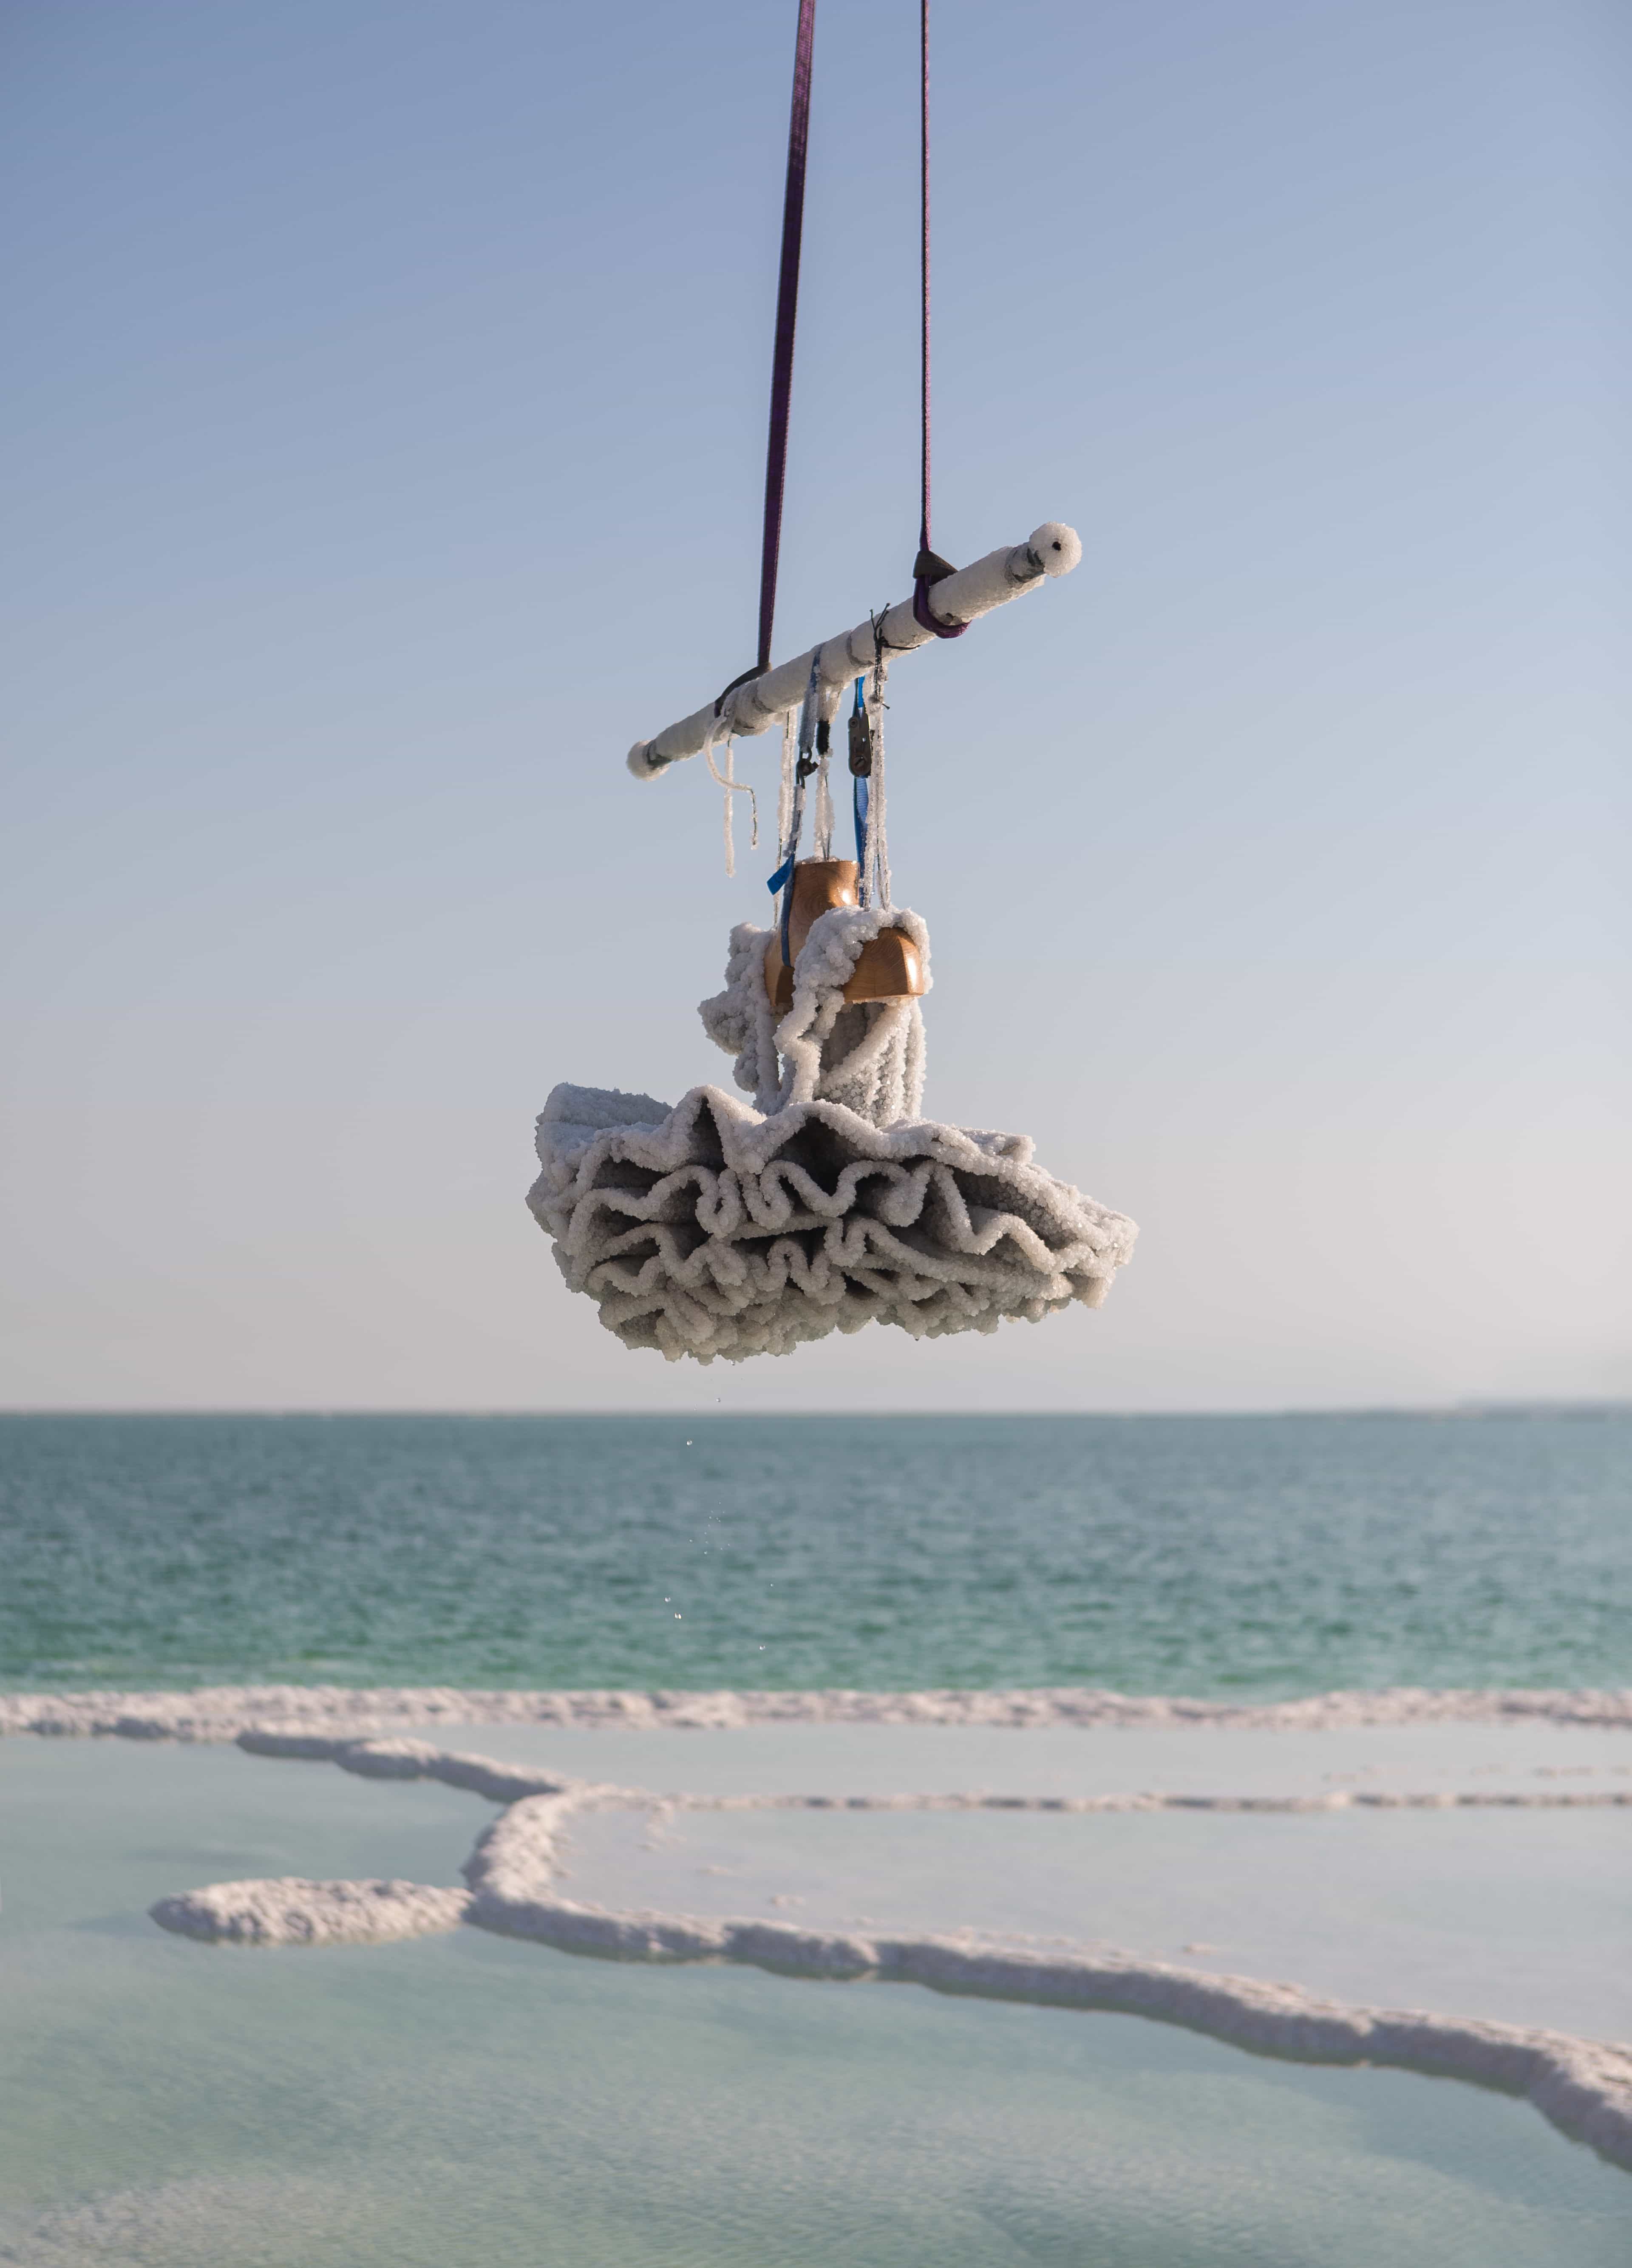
x,y
722,1227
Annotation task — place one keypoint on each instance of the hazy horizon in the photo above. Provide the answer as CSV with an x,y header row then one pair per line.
x,y
1605,1408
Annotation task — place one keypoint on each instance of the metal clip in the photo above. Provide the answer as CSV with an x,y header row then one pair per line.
x,y
861,744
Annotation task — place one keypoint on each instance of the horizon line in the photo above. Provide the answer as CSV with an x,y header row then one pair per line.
x,y
1509,1406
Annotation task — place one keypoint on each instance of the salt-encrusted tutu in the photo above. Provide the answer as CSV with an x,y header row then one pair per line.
x,y
718,1228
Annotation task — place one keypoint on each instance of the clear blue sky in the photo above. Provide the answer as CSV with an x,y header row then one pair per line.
x,y
386,392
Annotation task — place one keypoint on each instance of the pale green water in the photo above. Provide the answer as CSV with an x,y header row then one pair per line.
x,y
464,2100
1206,1556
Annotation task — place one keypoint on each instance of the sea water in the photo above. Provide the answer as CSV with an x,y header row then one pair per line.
x,y
1230,1556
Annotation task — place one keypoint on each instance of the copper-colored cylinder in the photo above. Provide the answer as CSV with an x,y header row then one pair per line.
x,y
887,968
819,886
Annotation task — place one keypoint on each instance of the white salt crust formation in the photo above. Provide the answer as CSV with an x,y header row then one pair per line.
x,y
718,1229
1583,2087
222,1712
292,1911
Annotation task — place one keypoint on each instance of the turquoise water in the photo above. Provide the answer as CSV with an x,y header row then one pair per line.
x,y
1262,1556
470,2101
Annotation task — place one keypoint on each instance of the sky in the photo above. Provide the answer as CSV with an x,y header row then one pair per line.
x,y
387,386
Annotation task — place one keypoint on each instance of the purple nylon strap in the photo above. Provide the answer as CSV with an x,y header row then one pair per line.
x,y
928,569
787,313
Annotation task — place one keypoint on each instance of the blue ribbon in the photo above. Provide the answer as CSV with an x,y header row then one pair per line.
x,y
859,803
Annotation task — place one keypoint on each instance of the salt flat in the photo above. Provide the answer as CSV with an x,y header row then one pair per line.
x,y
1508,1903
1521,1918
1531,1757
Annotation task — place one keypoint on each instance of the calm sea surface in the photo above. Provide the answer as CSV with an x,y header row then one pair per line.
x,y
1248,1556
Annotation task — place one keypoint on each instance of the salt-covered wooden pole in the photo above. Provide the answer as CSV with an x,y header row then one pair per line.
x,y
1050,550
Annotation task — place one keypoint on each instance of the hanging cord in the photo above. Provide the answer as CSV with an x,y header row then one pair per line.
x,y
732,787
929,567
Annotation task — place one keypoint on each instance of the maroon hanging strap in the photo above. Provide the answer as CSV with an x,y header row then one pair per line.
x,y
787,313
783,350
782,353
928,568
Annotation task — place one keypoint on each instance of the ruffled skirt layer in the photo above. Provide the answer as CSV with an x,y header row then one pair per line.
x,y
709,1229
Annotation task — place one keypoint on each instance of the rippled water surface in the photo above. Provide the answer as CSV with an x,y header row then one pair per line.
x,y
1211,1556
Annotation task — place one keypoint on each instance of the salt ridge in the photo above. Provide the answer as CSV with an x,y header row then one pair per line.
x,y
1583,2087
221,1713
503,1783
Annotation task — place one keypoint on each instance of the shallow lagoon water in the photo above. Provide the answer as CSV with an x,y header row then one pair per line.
x,y
465,2098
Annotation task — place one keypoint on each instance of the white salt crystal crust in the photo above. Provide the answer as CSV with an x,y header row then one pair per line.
x,y
291,1911
1583,2086
221,1713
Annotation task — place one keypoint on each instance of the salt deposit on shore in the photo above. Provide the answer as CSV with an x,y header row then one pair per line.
x,y
221,1713
503,1783
291,1911
1583,2087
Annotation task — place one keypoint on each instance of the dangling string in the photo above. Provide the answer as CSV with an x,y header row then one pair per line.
x,y
824,793
784,792
732,787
